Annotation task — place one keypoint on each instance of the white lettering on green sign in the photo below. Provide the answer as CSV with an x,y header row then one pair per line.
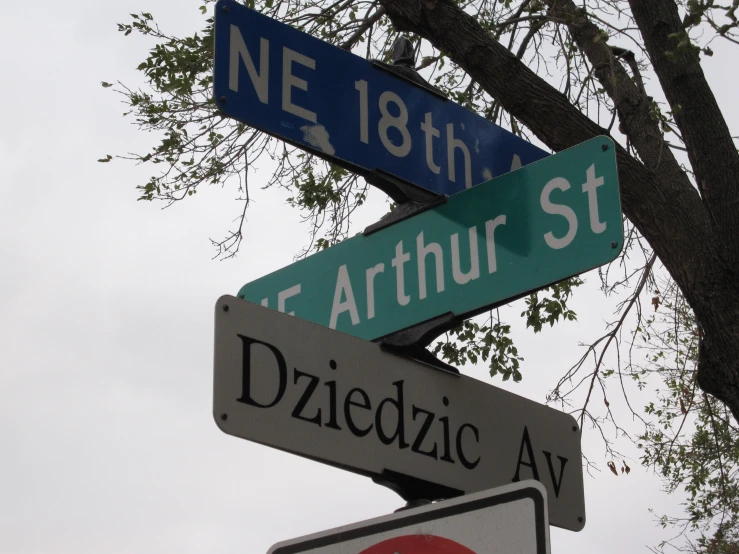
x,y
540,224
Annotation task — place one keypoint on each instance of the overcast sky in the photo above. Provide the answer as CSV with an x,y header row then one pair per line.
x,y
108,442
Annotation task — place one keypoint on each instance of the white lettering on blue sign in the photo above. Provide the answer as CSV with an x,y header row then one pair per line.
x,y
260,79
392,126
289,81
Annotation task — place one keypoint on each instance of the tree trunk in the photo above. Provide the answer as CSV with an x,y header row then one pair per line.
x,y
687,230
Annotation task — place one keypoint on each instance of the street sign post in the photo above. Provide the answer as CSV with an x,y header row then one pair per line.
x,y
547,221
303,388
351,111
505,520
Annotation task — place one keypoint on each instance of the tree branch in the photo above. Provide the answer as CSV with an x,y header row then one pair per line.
x,y
707,137
659,199
374,18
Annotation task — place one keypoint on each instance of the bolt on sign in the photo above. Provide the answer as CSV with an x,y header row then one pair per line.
x,y
350,111
532,227
505,520
291,384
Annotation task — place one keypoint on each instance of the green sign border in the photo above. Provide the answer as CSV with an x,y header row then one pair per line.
x,y
484,247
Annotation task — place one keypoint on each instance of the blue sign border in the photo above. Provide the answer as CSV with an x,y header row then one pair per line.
x,y
351,111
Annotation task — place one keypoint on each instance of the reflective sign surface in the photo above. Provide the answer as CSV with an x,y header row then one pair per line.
x,y
543,223
294,385
347,110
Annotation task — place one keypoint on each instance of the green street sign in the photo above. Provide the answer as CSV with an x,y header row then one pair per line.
x,y
486,245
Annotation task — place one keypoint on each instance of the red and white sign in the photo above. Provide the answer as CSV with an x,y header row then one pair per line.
x,y
505,520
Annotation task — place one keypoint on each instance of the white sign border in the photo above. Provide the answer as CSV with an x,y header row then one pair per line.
x,y
529,489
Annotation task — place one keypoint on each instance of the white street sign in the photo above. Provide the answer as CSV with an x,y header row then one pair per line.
x,y
313,391
505,520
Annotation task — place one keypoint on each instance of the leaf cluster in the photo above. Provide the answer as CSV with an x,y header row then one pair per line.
x,y
491,342
691,439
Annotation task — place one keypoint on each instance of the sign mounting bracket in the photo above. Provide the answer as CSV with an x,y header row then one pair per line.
x,y
409,74
411,199
413,490
412,342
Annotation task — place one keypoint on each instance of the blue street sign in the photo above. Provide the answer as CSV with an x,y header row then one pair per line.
x,y
351,111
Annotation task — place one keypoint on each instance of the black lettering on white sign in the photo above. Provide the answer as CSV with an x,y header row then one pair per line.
x,y
426,432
